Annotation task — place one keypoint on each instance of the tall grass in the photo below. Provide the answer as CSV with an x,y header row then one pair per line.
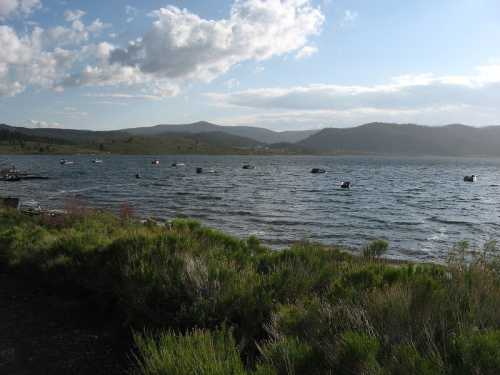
x,y
214,304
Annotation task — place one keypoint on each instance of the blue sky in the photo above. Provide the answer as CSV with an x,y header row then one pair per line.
x,y
280,64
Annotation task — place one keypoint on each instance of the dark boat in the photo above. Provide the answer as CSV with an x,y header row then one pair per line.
x,y
345,185
199,170
249,166
318,170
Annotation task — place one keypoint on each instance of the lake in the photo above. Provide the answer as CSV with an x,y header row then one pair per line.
x,y
421,205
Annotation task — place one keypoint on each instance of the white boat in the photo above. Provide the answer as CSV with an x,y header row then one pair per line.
x,y
178,165
96,161
66,162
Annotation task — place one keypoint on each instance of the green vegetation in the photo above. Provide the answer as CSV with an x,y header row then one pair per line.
x,y
202,302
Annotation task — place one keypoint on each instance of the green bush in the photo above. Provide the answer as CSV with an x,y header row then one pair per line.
x,y
406,360
289,356
478,353
376,249
197,352
357,354
305,309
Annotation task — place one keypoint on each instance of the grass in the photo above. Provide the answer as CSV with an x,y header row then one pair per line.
x,y
202,302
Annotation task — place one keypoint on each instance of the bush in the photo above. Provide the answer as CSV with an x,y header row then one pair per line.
x,y
406,360
479,353
289,356
306,309
197,352
357,354
376,249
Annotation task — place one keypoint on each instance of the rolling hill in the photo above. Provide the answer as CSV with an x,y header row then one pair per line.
x,y
261,135
207,138
407,139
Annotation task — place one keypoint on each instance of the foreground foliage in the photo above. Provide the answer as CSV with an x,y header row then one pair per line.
x,y
202,302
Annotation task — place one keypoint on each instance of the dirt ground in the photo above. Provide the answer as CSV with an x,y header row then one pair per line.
x,y
44,334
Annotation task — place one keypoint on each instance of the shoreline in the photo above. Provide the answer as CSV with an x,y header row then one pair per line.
x,y
185,289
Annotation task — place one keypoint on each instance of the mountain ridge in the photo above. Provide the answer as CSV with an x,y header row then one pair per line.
x,y
204,137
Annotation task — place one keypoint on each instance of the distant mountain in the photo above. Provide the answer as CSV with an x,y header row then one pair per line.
x,y
69,135
206,138
407,139
259,134
60,141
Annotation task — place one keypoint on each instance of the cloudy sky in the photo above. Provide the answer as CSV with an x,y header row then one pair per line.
x,y
280,64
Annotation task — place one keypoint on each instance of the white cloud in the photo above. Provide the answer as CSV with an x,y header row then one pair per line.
x,y
231,83
404,92
418,98
73,15
306,51
44,124
131,13
12,7
76,34
31,59
182,45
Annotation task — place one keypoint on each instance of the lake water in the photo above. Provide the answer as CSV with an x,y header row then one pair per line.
x,y
421,205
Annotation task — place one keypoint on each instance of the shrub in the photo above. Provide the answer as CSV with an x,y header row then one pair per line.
x,y
357,354
289,356
478,353
406,360
197,352
376,249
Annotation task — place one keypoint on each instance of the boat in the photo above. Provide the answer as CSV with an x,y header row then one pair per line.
x,y
318,170
472,178
175,165
11,177
96,161
155,162
345,185
199,170
13,174
248,166
66,162
137,175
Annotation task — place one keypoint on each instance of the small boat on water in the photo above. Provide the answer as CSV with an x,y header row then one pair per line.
x,y
96,161
248,166
137,175
155,162
199,170
345,185
13,174
318,170
175,165
472,178
66,162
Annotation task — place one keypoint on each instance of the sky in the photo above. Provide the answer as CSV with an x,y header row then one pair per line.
x,y
279,64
